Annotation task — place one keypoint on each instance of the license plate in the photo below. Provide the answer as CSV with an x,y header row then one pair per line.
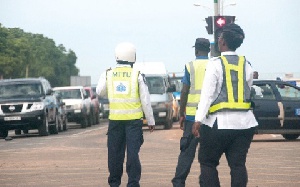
x,y
297,111
12,118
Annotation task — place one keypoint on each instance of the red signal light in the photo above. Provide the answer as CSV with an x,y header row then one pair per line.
x,y
220,22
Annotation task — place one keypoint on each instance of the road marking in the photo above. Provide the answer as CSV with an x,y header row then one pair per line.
x,y
87,131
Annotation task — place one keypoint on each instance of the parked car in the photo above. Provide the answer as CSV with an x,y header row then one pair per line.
x,y
276,106
94,104
27,104
78,104
62,113
103,105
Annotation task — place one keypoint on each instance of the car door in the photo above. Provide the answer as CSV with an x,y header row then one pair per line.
x,y
267,111
290,98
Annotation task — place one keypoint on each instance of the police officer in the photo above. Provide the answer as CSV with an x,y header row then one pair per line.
x,y
224,120
189,99
128,99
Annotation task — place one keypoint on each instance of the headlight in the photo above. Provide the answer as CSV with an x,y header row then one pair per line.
x,y
77,107
37,106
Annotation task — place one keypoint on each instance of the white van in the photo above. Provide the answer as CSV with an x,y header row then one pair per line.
x,y
160,91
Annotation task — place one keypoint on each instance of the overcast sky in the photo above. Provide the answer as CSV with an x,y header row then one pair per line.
x,y
161,30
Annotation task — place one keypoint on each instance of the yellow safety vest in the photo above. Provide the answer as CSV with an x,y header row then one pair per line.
x,y
197,70
235,92
123,94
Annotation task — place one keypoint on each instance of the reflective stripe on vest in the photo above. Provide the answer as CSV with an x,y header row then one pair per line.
x,y
197,70
123,94
235,92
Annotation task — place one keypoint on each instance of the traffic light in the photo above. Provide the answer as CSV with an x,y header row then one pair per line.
x,y
219,23
209,27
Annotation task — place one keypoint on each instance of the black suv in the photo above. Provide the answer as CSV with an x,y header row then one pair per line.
x,y
27,104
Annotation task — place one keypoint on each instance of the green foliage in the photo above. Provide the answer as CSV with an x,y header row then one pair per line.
x,y
33,55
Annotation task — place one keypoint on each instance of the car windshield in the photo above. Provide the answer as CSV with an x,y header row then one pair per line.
x,y
69,94
20,90
155,85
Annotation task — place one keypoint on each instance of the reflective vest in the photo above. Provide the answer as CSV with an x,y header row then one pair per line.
x,y
197,70
235,92
123,94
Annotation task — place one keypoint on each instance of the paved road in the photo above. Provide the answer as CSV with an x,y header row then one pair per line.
x,y
78,158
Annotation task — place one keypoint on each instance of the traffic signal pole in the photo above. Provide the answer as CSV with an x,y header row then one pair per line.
x,y
213,46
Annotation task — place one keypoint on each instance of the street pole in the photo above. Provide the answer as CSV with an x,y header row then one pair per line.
x,y
213,48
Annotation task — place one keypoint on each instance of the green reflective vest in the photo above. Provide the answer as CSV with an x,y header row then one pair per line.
x,y
123,94
197,70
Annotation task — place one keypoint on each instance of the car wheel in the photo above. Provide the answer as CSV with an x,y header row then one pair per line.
x,y
90,119
3,133
65,124
169,123
97,118
60,126
44,127
54,127
290,136
84,122
17,131
25,131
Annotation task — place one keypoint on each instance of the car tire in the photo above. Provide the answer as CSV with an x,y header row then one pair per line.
x,y
3,133
18,131
54,127
65,124
84,122
44,127
97,118
169,124
90,119
291,136
25,131
60,126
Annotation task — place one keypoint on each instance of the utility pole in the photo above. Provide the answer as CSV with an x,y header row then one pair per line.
x,y
213,48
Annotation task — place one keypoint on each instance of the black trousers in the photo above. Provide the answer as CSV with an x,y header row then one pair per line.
x,y
213,143
124,135
188,146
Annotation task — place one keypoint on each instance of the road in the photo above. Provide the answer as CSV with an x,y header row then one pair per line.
x,y
78,157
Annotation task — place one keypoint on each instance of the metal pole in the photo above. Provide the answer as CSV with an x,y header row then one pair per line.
x,y
217,7
213,51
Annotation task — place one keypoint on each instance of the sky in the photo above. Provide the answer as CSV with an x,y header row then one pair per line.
x,y
161,30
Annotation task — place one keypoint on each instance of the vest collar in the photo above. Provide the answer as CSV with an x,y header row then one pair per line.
x,y
228,53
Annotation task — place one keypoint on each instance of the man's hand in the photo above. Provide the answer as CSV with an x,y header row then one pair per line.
x,y
181,122
196,127
151,128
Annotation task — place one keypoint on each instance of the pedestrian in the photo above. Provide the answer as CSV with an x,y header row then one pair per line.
x,y
255,74
129,98
189,98
224,121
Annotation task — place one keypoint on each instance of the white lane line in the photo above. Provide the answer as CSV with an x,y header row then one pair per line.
x,y
87,131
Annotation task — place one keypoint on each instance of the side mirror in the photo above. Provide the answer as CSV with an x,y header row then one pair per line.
x,y
49,92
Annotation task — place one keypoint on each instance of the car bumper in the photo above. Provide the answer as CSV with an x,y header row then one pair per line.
x,y
27,120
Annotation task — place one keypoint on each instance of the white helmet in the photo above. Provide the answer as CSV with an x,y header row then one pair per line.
x,y
125,52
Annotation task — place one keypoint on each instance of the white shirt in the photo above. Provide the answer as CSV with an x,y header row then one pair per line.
x,y
143,91
211,88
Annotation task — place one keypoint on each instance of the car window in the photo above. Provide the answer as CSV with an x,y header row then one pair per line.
x,y
155,85
288,92
262,91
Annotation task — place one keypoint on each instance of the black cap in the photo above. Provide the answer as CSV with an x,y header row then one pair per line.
x,y
202,44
